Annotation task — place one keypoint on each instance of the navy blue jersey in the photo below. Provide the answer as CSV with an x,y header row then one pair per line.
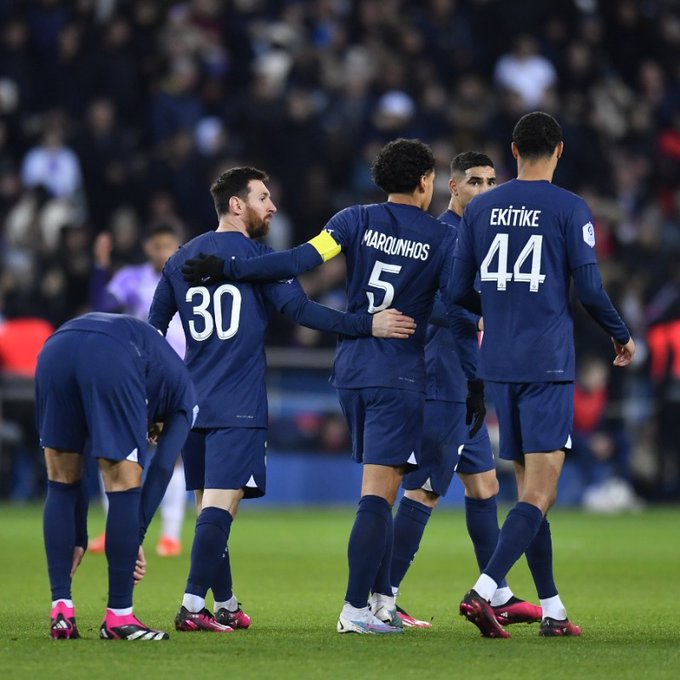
x,y
168,387
225,326
446,380
397,256
526,238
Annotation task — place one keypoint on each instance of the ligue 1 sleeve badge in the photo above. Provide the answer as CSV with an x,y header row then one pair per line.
x,y
589,234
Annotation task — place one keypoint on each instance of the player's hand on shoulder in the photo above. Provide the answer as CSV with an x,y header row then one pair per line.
x,y
624,353
391,323
203,270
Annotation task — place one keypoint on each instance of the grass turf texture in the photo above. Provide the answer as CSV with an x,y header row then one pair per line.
x,y
619,576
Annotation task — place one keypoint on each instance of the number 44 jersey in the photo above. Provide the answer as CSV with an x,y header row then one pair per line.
x,y
398,256
525,238
225,326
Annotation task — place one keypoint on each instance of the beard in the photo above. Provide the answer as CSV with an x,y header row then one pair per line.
x,y
257,226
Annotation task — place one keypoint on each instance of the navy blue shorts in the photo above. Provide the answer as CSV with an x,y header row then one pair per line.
x,y
533,417
386,424
91,397
447,448
226,458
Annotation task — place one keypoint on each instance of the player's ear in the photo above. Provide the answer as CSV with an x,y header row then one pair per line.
x,y
560,149
453,187
235,205
515,150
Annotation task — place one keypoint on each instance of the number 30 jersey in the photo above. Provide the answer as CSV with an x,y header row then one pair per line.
x,y
526,238
225,326
397,256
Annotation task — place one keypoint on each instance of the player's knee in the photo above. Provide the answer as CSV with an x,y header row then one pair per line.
x,y
427,498
543,499
121,475
482,486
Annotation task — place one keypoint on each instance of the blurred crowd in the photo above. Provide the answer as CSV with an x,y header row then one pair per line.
x,y
115,116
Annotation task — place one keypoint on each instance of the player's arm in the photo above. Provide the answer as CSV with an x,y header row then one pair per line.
x,y
460,294
290,300
163,305
593,297
440,315
170,442
209,269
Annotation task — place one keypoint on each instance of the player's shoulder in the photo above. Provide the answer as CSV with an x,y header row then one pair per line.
x,y
185,251
352,215
564,196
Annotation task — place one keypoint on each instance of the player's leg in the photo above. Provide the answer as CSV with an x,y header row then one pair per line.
x,y
368,549
122,482
424,487
476,605
386,427
413,514
210,536
173,507
113,393
234,468
247,448
477,472
62,428
539,558
65,535
213,525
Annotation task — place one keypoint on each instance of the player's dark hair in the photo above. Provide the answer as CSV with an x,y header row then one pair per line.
x,y
234,182
536,135
400,164
470,159
161,228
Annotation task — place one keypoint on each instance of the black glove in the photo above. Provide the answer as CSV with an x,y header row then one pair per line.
x,y
475,407
203,270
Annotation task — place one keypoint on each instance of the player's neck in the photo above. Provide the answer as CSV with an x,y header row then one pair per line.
x,y
406,199
229,223
455,208
535,171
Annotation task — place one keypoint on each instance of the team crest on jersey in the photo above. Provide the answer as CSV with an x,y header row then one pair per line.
x,y
589,234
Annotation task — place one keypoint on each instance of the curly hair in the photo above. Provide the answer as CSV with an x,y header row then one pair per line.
x,y
536,135
233,182
400,164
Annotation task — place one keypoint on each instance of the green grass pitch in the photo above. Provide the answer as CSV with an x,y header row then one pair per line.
x,y
619,577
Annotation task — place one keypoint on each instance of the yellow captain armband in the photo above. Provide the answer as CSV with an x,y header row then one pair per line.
x,y
325,245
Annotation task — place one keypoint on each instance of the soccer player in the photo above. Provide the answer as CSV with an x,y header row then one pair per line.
x,y
101,381
130,291
398,255
225,326
528,239
447,446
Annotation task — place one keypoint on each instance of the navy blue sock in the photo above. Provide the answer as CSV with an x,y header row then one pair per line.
x,y
539,558
222,584
82,505
515,537
59,531
409,525
366,548
210,542
122,545
481,517
382,583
